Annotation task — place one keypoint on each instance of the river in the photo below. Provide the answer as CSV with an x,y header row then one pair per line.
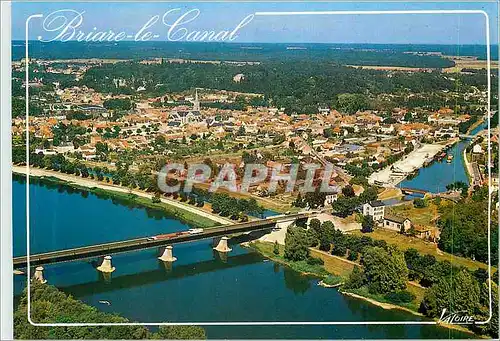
x,y
435,177
199,287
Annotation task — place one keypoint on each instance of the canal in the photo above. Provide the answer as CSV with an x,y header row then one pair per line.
x,y
435,177
201,286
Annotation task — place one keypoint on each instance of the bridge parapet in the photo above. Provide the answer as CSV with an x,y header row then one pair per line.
x,y
106,249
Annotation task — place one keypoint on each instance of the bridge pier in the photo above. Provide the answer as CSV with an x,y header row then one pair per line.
x,y
167,266
106,267
167,255
38,276
222,245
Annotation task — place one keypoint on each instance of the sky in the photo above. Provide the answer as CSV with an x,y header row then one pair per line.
x,y
129,17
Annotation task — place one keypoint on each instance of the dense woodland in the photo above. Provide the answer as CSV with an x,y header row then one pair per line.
x,y
298,87
464,227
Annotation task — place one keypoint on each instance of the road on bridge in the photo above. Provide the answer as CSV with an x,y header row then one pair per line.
x,y
105,249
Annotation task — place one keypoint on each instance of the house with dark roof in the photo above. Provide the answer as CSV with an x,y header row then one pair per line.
x,y
398,224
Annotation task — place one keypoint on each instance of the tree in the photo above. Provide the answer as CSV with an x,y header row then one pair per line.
x,y
369,194
181,333
315,199
315,224
118,104
276,248
352,256
326,235
367,224
419,203
350,103
348,191
344,207
156,198
481,275
385,270
464,231
356,279
296,245
459,293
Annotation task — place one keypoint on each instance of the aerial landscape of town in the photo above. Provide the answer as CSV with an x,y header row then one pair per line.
x,y
200,182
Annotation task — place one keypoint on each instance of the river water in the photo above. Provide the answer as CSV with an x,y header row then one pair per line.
x,y
440,173
199,287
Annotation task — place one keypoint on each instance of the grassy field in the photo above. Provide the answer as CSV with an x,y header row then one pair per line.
x,y
419,216
416,290
468,64
333,264
390,193
423,247
267,249
274,204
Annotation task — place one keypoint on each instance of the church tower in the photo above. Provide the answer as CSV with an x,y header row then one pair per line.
x,y
196,103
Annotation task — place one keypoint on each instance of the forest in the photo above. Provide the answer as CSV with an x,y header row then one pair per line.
x,y
300,86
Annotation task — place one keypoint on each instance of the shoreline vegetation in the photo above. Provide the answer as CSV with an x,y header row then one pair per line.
x,y
314,270
330,279
186,214
474,126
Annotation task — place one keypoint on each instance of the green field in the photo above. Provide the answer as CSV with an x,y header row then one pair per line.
x,y
423,247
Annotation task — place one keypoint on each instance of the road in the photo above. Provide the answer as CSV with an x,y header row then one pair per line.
x,y
104,249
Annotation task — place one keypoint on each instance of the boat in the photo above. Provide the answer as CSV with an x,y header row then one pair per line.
x,y
449,159
105,302
441,156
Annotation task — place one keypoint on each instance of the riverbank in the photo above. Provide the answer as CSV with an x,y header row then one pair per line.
x,y
468,166
333,272
187,213
474,126
387,306
380,304
333,280
303,267
396,173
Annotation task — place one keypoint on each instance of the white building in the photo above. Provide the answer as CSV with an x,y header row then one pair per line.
x,y
330,199
477,149
375,209
449,132
397,224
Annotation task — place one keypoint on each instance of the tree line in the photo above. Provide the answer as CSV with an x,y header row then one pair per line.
x,y
385,271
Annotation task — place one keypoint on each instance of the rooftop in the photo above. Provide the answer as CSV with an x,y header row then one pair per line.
x,y
376,203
